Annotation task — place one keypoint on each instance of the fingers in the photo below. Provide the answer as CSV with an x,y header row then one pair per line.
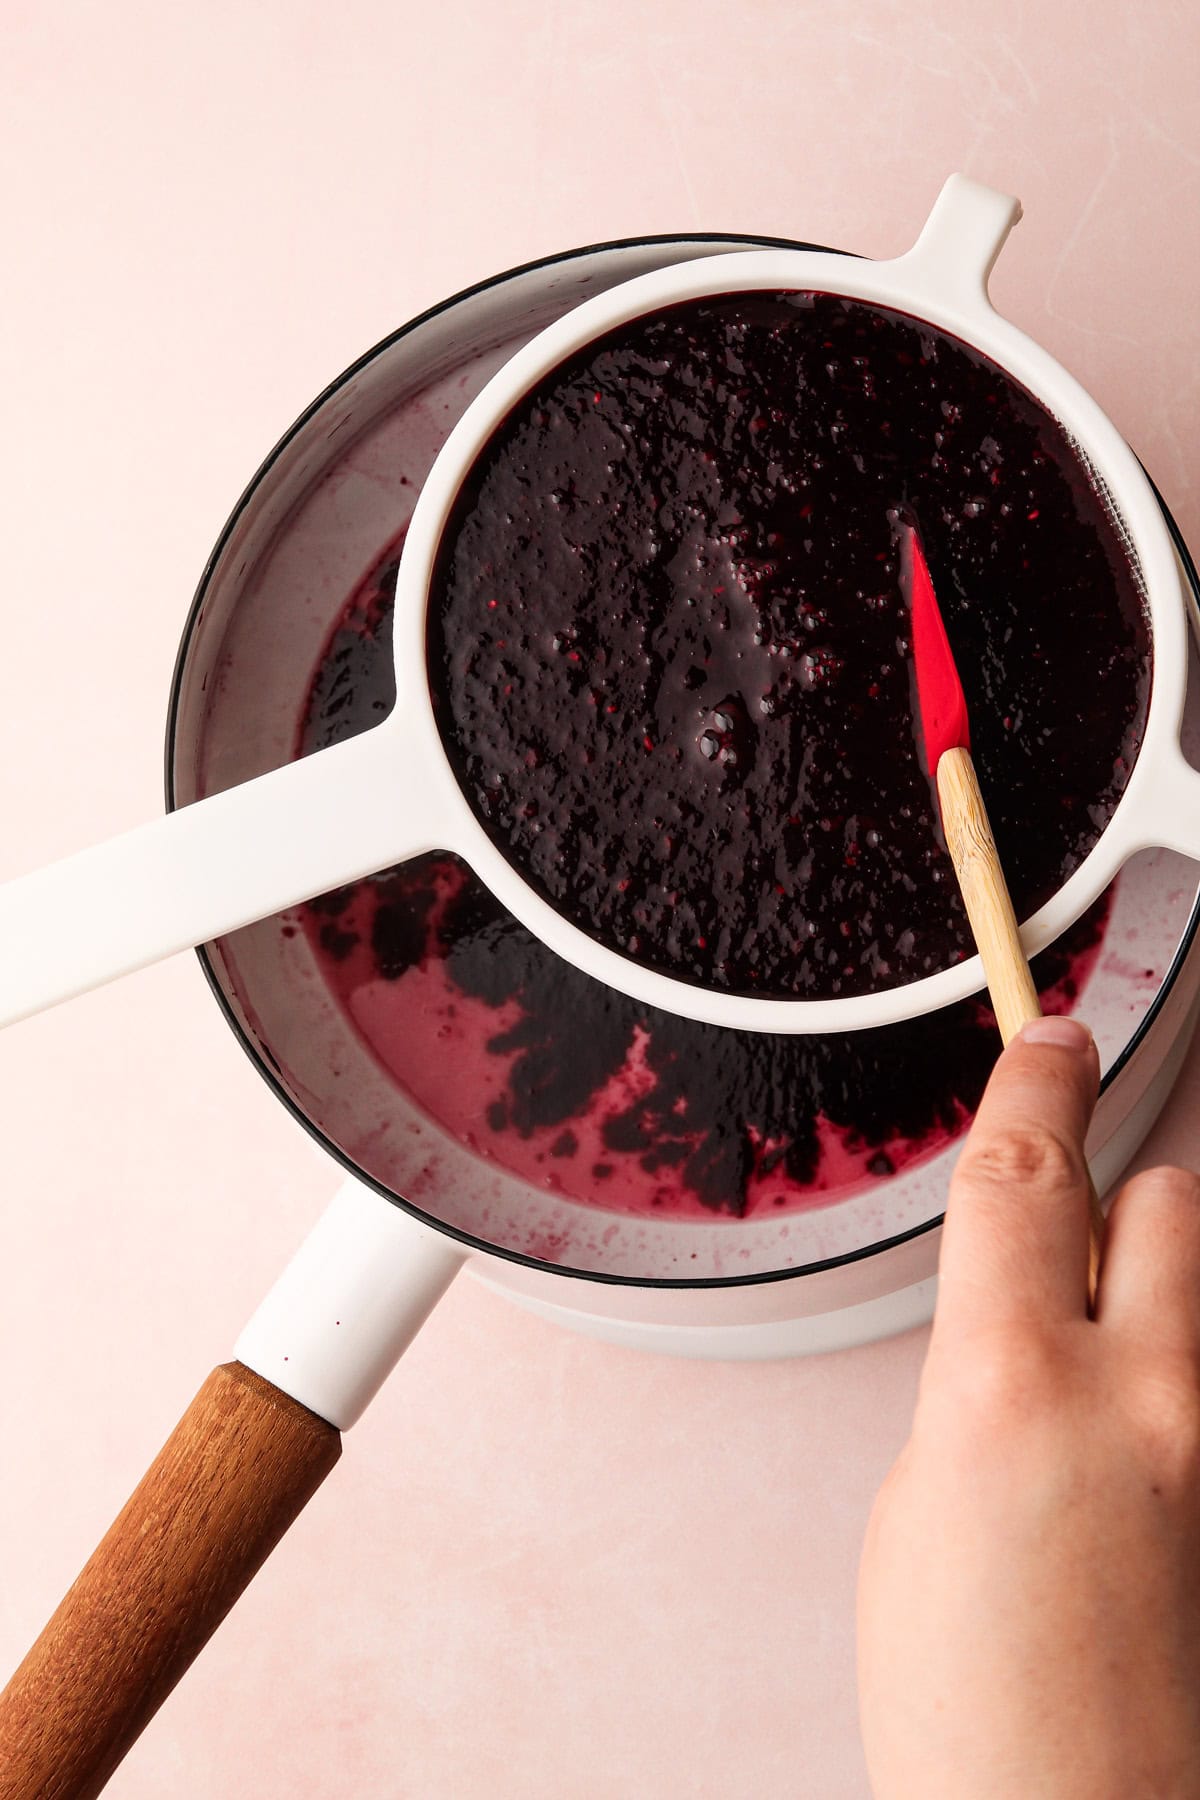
x,y
1150,1269
1016,1236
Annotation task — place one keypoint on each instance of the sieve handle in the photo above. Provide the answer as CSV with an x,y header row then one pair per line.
x,y
212,867
1166,815
960,240
244,1460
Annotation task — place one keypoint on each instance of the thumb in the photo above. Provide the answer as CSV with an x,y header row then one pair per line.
x,y
1016,1233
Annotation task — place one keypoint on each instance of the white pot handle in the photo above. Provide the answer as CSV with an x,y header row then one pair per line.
x,y
349,1303
959,243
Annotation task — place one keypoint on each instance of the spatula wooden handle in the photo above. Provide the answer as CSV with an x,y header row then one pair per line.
x,y
238,1468
994,924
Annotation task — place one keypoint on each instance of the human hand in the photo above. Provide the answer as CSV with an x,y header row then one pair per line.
x,y
1029,1596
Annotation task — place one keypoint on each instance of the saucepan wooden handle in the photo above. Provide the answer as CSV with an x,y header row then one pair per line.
x,y
238,1468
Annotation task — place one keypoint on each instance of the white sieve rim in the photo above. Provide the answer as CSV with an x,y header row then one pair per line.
x,y
942,281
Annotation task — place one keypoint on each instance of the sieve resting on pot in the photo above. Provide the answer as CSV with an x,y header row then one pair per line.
x,y
391,794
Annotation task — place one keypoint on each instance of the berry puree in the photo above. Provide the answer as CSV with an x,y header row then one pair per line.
x,y
669,642
579,1090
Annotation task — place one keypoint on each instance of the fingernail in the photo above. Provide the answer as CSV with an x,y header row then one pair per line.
x,y
1063,1034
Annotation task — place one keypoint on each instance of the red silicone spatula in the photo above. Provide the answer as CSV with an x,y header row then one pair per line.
x,y
944,724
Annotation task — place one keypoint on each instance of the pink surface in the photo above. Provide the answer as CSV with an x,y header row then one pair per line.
x,y
546,1568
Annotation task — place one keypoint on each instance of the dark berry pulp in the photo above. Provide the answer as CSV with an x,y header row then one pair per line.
x,y
669,642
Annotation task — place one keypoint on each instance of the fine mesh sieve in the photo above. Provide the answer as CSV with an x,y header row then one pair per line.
x,y
391,794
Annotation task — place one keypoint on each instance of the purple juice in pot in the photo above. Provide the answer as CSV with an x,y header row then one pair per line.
x,y
578,1089
668,641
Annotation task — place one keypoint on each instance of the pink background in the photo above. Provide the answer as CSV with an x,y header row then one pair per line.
x,y
546,1569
